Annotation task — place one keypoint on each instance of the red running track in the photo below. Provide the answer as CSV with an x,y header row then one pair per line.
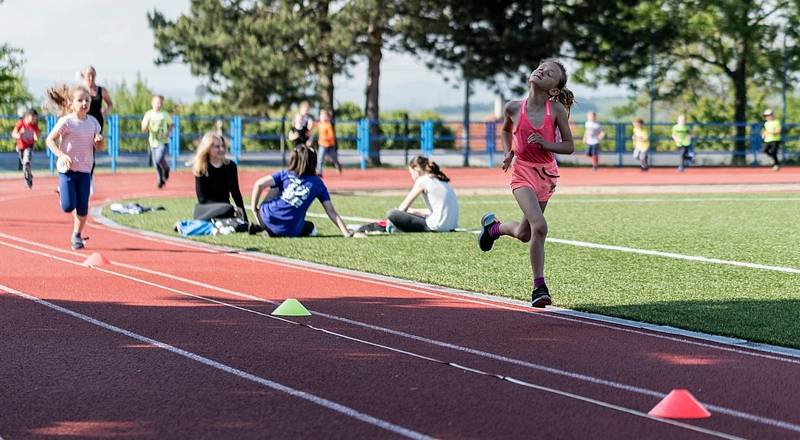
x,y
174,340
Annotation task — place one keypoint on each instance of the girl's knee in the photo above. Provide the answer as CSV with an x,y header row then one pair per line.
x,y
523,234
539,229
392,214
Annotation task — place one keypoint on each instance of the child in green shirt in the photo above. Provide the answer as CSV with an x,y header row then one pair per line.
x,y
158,123
683,140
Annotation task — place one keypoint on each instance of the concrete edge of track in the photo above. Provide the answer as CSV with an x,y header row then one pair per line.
x,y
97,214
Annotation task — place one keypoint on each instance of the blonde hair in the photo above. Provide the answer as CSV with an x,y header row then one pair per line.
x,y
87,69
200,166
61,95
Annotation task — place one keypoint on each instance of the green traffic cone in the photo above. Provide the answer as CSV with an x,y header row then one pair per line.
x,y
291,307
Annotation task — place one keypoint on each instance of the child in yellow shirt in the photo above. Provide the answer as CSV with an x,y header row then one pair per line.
x,y
641,143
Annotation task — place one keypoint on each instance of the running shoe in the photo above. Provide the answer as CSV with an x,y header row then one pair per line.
x,y
76,241
540,297
485,239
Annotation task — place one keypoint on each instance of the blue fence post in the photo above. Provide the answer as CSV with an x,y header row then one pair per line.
x,y
620,140
175,141
423,136
50,122
491,141
236,138
112,144
755,142
426,138
362,142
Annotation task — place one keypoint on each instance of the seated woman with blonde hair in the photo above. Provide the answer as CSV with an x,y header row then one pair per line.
x,y
216,180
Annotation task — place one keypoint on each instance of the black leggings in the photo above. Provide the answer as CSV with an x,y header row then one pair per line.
x,y
207,211
406,222
772,148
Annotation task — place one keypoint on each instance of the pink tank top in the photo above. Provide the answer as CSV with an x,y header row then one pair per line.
x,y
534,153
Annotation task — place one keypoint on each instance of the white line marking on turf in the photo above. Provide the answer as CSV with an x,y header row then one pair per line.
x,y
673,255
561,201
342,409
556,371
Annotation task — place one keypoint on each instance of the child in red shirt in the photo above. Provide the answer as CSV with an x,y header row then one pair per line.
x,y
26,132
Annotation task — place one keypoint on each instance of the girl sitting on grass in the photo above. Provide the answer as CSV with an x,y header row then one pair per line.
x,y
296,187
441,212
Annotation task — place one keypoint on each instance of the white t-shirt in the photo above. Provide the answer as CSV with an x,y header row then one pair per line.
x,y
77,140
441,200
593,130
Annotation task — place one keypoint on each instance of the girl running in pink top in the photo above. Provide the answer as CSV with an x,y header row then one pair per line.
x,y
73,140
534,129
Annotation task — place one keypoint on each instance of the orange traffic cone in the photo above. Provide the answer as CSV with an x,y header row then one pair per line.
x,y
680,404
96,259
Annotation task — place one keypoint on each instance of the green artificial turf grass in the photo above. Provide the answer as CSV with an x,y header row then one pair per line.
x,y
753,304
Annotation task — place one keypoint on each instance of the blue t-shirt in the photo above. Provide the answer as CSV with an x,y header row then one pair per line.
x,y
286,214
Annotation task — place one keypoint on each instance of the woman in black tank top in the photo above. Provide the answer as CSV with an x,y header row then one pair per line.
x,y
97,95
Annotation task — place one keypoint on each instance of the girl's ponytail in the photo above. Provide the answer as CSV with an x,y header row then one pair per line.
x,y
60,96
430,167
433,168
566,98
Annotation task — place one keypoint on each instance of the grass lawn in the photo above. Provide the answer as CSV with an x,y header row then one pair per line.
x,y
754,304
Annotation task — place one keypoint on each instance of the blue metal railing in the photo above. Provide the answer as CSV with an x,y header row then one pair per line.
x,y
709,138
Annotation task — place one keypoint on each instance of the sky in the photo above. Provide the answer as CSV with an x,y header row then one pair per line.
x,y
61,37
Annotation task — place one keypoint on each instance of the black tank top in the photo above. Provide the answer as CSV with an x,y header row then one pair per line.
x,y
96,105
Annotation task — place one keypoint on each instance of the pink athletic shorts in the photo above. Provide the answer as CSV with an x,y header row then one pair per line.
x,y
540,177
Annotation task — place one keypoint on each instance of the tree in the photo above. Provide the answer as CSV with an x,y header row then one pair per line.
x,y
259,55
737,40
370,24
13,92
484,41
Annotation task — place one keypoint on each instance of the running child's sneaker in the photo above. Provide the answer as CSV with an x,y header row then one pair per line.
x,y
76,241
540,297
485,239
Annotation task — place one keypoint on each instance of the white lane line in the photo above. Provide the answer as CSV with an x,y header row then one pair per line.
x,y
609,247
643,329
347,410
674,255
632,327
561,201
564,373
329,404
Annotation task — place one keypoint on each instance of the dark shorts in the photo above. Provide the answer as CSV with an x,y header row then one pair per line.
x,y
73,187
593,150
